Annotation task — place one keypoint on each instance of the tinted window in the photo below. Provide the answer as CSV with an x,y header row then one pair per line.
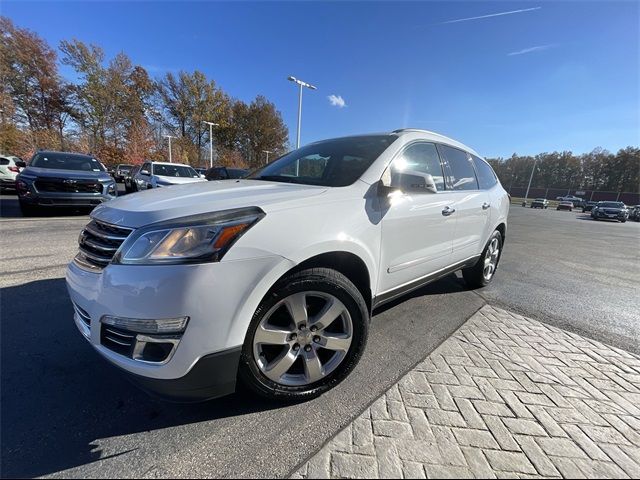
x,y
611,204
174,171
486,177
461,175
146,167
421,158
66,161
4,161
332,163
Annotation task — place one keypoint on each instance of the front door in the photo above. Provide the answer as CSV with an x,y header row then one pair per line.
x,y
417,228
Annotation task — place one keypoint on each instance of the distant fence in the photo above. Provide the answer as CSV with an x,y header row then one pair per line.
x,y
629,198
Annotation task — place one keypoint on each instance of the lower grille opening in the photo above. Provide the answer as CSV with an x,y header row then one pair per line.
x,y
118,340
138,346
156,352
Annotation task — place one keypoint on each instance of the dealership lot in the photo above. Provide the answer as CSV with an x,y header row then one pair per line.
x,y
65,412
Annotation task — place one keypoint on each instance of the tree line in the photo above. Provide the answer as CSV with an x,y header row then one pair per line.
x,y
596,170
115,110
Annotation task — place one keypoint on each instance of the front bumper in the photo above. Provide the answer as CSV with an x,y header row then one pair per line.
x,y
612,216
64,199
219,299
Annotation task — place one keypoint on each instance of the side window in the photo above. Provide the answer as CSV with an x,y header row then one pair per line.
x,y
460,172
420,157
146,167
4,161
486,176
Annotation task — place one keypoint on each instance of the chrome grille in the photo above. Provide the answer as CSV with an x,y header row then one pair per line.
x,y
99,242
83,315
117,340
62,185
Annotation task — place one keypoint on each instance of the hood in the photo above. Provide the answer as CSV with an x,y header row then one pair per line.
x,y
178,180
161,204
71,174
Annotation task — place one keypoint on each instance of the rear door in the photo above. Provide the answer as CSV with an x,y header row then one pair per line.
x,y
472,205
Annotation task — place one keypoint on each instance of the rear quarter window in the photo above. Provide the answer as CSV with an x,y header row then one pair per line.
x,y
486,176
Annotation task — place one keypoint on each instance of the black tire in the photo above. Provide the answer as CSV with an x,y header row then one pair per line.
x,y
622,221
28,210
474,276
315,279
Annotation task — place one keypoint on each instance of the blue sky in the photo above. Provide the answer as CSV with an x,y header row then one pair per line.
x,y
548,76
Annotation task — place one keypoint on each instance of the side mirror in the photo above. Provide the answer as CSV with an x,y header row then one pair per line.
x,y
414,181
145,172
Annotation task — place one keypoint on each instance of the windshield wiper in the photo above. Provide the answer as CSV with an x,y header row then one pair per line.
x,y
276,178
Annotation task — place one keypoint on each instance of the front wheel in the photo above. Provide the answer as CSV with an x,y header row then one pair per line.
x,y
306,336
481,274
28,210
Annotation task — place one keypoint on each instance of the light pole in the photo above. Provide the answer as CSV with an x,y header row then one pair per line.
x,y
300,84
267,152
526,195
211,125
170,137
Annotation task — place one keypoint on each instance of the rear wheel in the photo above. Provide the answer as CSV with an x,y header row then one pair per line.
x,y
485,268
305,337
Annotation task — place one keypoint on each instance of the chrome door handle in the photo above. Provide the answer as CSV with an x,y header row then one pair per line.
x,y
485,205
448,211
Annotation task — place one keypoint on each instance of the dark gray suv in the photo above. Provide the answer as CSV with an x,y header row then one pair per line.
x,y
61,179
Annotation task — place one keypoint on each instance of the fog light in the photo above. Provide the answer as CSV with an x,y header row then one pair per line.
x,y
150,326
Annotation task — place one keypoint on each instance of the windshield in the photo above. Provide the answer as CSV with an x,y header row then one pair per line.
x,y
331,163
174,171
237,173
611,204
66,161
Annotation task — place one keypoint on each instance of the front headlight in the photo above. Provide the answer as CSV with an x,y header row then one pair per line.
x,y
195,239
112,189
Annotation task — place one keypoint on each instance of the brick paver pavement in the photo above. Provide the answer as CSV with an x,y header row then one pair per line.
x,y
505,396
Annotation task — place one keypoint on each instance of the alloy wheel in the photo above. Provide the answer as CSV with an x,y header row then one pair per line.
x,y
303,338
491,259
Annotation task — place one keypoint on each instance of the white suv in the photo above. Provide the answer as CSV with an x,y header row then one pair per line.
x,y
164,174
10,166
272,279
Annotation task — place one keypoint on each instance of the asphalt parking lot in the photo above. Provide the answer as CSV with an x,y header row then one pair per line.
x,y
65,412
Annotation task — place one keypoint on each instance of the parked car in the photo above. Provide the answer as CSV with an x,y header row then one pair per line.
x,y
121,172
565,205
272,279
129,184
201,171
610,211
588,206
10,167
62,179
163,174
634,213
224,173
577,201
540,203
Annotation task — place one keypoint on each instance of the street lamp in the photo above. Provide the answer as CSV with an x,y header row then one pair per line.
x,y
267,152
211,125
300,84
526,195
170,137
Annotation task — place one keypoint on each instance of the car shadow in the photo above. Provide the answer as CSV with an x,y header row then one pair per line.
x,y
10,208
58,396
449,284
